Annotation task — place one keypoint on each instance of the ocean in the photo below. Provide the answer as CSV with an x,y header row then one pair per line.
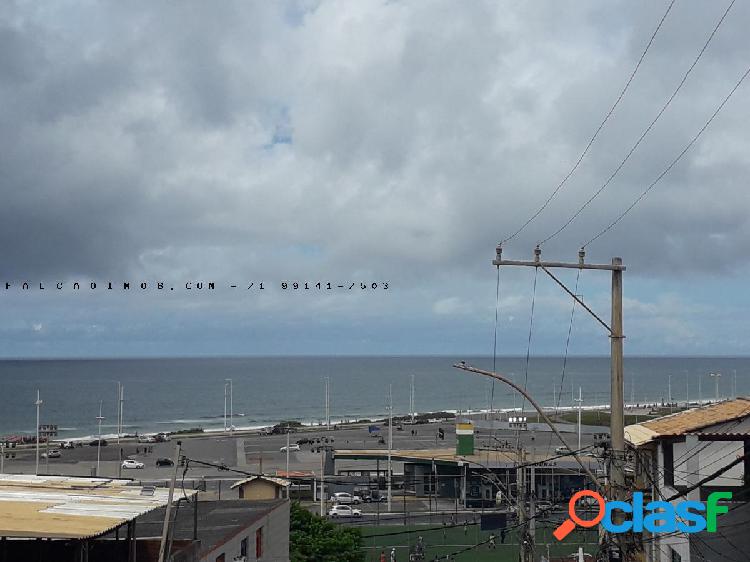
x,y
173,394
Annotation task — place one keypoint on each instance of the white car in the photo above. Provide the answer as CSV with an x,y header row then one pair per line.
x,y
562,450
292,447
345,498
146,439
344,511
130,463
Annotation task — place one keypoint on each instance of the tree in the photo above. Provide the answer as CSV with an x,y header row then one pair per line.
x,y
313,539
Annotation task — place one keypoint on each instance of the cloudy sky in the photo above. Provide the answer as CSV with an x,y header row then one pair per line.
x,y
372,141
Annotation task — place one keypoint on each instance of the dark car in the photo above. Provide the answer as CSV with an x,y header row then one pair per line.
x,y
98,442
164,462
305,441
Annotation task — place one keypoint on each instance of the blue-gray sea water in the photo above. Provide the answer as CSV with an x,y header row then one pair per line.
x,y
169,394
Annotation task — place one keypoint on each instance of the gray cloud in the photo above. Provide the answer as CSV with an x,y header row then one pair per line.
x,y
381,139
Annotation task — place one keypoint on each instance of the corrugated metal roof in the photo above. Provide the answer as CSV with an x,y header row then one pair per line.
x,y
69,507
689,421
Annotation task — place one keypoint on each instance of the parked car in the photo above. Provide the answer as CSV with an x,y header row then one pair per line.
x,y
162,437
292,447
345,498
98,442
164,462
374,496
52,454
344,511
562,450
305,441
67,445
146,439
130,463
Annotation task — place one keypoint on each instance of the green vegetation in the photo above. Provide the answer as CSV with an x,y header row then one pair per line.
x,y
314,539
185,431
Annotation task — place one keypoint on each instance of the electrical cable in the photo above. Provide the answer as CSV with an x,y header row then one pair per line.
x,y
671,165
644,133
596,133
528,345
686,491
565,356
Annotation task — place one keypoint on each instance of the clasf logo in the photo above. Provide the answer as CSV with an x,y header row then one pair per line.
x,y
655,516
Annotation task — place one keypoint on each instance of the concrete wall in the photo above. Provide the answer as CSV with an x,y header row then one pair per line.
x,y
275,539
712,456
259,490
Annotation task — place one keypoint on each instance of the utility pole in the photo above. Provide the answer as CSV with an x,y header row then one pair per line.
x,y
390,443
38,404
324,448
99,419
163,554
617,406
120,400
580,403
527,546
287,460
716,376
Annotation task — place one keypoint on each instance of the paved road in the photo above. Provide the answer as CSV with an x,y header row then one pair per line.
x,y
248,452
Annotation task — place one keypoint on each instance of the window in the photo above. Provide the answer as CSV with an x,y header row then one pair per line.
x,y
259,543
243,547
674,556
220,558
668,450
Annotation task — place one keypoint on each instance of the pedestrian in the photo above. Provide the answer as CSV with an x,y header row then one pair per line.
x,y
382,556
502,535
393,554
466,527
444,532
492,541
137,450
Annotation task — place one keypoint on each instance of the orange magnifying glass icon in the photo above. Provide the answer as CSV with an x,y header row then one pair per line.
x,y
569,524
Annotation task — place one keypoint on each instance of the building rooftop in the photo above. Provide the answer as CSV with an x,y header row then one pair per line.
x,y
688,422
71,507
448,456
217,520
277,481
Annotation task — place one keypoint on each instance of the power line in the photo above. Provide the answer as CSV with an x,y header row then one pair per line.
x,y
565,357
596,133
672,164
645,132
528,346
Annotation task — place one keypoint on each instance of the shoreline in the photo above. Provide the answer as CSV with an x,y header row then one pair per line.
x,y
177,429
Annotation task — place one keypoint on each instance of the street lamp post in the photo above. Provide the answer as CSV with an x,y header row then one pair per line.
x,y
716,376
38,404
231,406
225,406
580,403
99,420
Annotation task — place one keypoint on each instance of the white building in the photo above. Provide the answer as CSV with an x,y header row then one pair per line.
x,y
684,456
